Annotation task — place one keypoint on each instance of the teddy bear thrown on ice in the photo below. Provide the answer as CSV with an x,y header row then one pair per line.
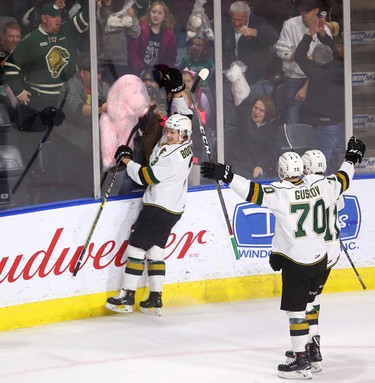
x,y
198,23
127,101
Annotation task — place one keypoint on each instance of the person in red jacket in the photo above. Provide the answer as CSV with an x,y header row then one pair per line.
x,y
157,41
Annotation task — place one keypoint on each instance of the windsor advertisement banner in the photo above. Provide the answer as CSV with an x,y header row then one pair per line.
x,y
39,250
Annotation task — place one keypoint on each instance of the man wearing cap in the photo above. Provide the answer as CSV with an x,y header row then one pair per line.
x,y
293,30
46,57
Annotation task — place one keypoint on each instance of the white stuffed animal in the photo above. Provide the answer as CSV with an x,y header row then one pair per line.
x,y
198,23
120,19
236,75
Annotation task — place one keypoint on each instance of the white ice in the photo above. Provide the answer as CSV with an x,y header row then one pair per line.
x,y
227,342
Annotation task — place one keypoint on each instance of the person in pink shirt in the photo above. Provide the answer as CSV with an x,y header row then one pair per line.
x,y
157,42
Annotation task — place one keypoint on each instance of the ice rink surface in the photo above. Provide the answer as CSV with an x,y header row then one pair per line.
x,y
227,342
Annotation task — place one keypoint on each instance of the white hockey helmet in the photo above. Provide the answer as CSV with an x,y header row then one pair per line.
x,y
290,165
181,123
314,161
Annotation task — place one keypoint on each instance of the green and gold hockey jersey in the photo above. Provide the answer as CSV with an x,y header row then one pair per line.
x,y
43,62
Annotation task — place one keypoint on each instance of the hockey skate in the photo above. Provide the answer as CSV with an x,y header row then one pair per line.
x,y
313,350
152,305
314,354
297,366
121,303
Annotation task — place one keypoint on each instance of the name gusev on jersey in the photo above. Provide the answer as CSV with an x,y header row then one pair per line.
x,y
165,176
300,210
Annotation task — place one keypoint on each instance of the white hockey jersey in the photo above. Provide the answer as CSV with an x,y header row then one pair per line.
x,y
300,210
166,176
332,237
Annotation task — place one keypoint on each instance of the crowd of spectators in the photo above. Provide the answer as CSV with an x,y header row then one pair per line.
x,y
132,37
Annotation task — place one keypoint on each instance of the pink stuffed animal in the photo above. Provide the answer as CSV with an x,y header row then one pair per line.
x,y
127,101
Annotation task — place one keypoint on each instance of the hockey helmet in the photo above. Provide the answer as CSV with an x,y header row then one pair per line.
x,y
290,165
314,161
181,123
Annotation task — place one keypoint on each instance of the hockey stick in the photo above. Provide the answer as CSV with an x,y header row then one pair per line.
x,y
132,132
351,262
116,171
50,116
202,75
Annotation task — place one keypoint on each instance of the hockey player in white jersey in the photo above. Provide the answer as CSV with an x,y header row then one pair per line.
x,y
298,246
314,162
166,178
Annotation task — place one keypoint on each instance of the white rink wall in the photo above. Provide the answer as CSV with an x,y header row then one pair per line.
x,y
39,249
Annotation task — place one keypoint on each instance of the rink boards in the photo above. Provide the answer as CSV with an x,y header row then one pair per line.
x,y
40,248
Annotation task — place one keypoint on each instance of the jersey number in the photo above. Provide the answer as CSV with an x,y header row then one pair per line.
x,y
320,216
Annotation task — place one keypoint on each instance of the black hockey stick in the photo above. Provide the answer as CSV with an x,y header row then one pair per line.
x,y
132,132
108,191
202,75
351,262
51,117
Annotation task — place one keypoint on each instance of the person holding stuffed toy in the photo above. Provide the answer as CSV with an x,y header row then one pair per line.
x,y
157,42
117,28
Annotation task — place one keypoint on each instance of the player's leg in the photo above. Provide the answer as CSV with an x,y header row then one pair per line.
x,y
155,262
156,275
312,315
124,301
295,292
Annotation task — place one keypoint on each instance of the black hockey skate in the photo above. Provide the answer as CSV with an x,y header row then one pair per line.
x,y
152,305
297,367
313,350
121,303
314,354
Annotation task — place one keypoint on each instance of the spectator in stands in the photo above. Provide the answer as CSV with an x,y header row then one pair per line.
x,y
199,55
248,38
157,41
204,110
45,59
254,150
115,32
325,98
10,37
295,82
71,148
31,18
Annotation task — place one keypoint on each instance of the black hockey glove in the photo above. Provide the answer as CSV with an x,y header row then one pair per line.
x,y
52,116
276,261
159,72
355,151
123,151
218,172
170,78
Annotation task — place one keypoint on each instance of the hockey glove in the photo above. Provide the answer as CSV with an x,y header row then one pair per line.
x,y
276,261
159,72
171,78
355,151
218,172
123,151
